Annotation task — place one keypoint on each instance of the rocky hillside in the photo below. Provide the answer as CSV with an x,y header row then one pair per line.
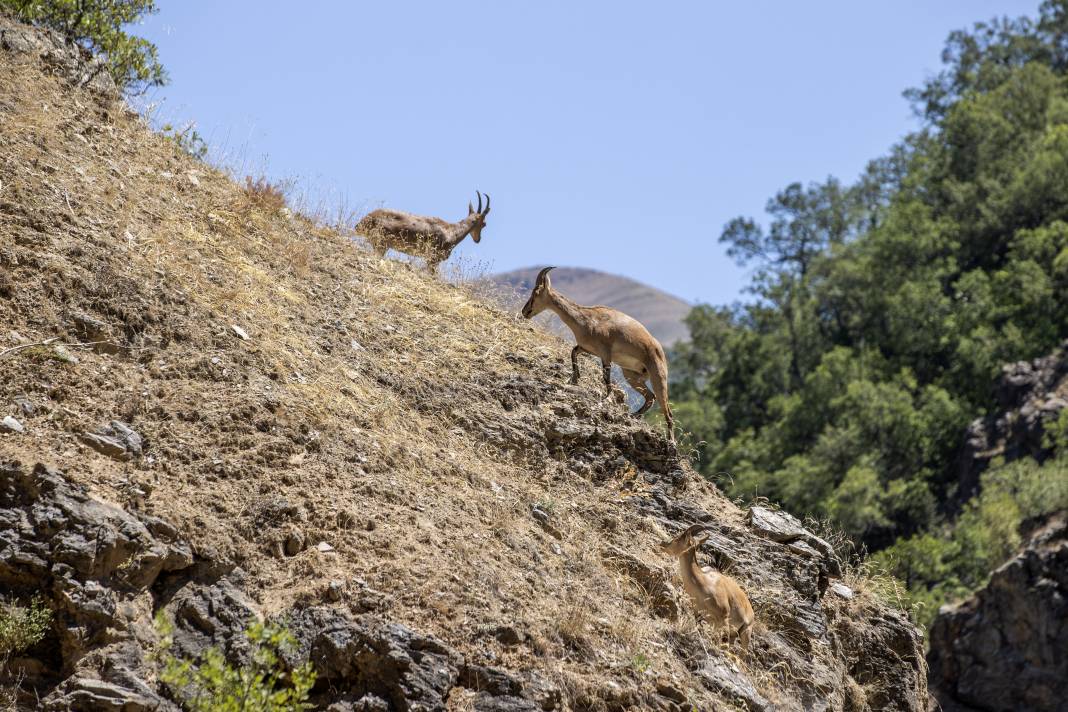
x,y
216,410
1004,648
1030,396
662,313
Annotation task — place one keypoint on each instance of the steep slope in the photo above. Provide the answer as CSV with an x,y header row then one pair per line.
x,y
216,409
662,313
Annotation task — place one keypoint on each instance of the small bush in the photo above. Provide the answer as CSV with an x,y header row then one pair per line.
x,y
22,627
265,194
187,139
211,684
1056,435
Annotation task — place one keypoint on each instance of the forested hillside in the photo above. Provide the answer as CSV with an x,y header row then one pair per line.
x,y
882,312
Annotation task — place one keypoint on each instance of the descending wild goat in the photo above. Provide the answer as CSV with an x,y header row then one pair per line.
x,y
718,598
613,337
433,239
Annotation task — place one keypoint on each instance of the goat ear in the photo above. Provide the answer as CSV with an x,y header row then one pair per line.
x,y
470,210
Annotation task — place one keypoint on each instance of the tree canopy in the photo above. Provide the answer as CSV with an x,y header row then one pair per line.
x,y
883,310
98,25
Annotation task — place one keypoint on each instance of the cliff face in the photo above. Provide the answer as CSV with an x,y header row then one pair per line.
x,y
220,411
1030,396
1004,648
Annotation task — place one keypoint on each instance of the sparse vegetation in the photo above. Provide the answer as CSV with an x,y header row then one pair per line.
x,y
187,139
212,684
264,194
22,627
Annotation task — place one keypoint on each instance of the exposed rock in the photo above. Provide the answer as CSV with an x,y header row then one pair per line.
x,y
544,520
209,614
67,59
1004,648
91,562
10,425
1030,396
94,332
294,542
117,440
727,680
104,571
785,528
25,405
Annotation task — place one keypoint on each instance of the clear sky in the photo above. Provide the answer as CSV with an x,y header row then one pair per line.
x,y
614,135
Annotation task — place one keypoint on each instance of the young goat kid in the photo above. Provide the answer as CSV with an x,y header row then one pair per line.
x,y
433,239
718,598
613,337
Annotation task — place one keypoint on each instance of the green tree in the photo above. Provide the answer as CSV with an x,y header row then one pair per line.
x,y
98,25
883,311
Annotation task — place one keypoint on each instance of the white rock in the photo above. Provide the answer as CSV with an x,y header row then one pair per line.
x,y
841,590
324,547
241,333
10,425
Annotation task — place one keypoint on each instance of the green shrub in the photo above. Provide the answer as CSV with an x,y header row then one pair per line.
x,y
211,684
98,26
187,139
1055,436
22,627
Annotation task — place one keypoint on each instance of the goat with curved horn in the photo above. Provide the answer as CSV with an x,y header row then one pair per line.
x,y
613,337
431,238
718,598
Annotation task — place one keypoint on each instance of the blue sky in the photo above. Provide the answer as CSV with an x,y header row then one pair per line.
x,y
614,135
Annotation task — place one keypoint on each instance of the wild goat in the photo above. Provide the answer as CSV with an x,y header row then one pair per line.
x,y
433,239
718,598
613,337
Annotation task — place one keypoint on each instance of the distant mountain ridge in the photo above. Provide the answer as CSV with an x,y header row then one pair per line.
x,y
662,314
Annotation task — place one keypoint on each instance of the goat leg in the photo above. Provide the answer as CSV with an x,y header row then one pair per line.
x,y
574,364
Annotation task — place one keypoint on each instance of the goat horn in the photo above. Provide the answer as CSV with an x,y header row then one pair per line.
x,y
479,202
541,275
487,204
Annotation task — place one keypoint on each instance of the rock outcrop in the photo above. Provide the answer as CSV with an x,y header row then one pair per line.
x,y
1030,395
105,572
1006,647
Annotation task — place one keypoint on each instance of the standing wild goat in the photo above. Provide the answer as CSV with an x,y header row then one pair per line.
x,y
613,337
433,239
718,598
